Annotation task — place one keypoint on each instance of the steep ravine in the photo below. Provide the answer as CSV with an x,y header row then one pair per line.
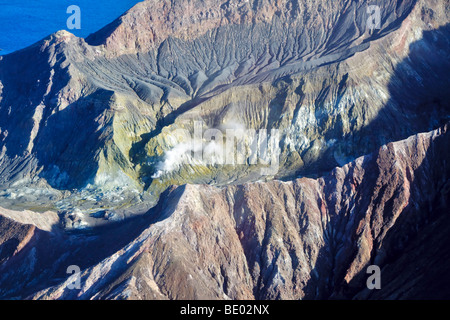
x,y
305,239
92,118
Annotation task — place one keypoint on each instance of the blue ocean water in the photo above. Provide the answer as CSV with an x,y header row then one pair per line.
x,y
24,22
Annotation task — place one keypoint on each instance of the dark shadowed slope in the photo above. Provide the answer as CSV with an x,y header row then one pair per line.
x,y
310,239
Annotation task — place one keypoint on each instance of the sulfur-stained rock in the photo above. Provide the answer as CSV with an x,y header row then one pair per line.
x,y
92,174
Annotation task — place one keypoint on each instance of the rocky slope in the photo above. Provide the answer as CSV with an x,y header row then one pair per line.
x,y
96,114
87,150
305,239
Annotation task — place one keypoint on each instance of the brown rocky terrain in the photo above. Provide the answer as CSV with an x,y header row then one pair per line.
x,y
305,239
97,112
86,176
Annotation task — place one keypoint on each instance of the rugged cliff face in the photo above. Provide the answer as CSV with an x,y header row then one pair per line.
x,y
86,131
305,239
97,114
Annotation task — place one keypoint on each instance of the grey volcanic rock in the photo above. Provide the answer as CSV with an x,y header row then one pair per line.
x,y
87,176
92,113
305,239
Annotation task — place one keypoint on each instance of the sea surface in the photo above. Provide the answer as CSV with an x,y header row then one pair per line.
x,y
24,22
